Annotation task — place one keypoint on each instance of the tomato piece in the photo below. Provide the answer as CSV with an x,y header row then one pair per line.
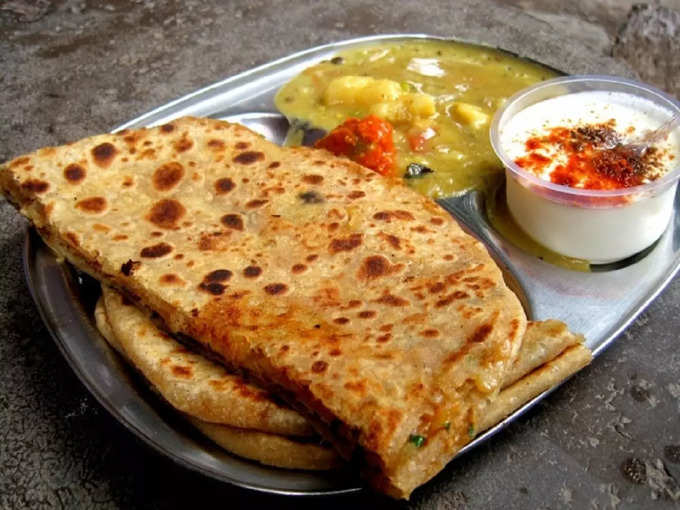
x,y
367,141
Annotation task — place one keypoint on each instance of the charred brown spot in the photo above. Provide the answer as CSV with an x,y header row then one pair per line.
x,y
480,333
353,303
171,279
167,176
155,251
274,164
254,204
242,145
393,240
459,294
311,197
388,216
345,244
167,128
214,288
248,157
35,186
356,194
224,185
298,268
335,352
312,257
390,300
430,333
19,161
166,213
341,320
233,221
437,287
312,179
129,267
92,205
219,275
319,366
275,288
74,173
216,144
367,314
252,272
384,338
182,371
127,182
184,144
103,154
437,221
374,267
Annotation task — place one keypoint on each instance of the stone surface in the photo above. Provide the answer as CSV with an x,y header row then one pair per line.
x,y
650,42
85,66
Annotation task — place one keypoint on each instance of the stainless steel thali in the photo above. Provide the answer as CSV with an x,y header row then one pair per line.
x,y
598,304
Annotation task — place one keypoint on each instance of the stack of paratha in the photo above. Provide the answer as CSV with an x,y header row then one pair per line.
x,y
359,302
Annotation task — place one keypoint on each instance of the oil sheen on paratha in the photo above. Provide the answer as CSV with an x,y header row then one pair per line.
x,y
360,301
190,382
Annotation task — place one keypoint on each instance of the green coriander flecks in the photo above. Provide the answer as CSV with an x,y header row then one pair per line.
x,y
471,431
417,440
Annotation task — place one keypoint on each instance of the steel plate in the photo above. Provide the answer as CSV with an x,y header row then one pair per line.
x,y
598,304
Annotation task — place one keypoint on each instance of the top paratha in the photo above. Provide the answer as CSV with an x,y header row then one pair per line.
x,y
360,301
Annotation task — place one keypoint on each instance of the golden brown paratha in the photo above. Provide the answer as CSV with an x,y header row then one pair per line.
x,y
264,447
355,298
190,382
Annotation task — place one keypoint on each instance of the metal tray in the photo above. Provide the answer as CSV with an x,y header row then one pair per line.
x,y
598,304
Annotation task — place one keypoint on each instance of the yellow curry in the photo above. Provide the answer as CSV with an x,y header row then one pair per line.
x,y
439,97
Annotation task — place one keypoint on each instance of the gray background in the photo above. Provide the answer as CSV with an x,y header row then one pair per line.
x,y
609,438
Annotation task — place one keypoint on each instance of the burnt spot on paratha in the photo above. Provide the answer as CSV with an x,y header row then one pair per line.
x,y
128,181
242,145
252,271
345,244
233,221
216,145
248,157
72,239
219,275
103,154
311,197
384,338
19,161
367,314
214,288
214,241
170,279
167,128
341,320
92,205
392,300
129,267
298,268
274,164
255,203
481,333
275,289
167,176
435,220
319,366
74,173
155,251
184,144
450,298
166,213
356,194
312,179
312,257
224,185
184,372
35,186
388,216
430,333
437,287
377,266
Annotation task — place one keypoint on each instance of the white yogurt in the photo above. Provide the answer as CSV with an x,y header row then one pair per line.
x,y
600,226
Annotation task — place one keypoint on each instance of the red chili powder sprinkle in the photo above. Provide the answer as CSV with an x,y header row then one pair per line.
x,y
595,158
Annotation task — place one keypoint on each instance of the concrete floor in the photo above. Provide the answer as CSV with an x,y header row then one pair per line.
x,y
609,438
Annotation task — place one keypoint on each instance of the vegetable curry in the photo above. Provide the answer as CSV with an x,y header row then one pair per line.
x,y
439,97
